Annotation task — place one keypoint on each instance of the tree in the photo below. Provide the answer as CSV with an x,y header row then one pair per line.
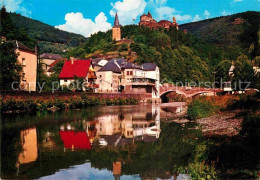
x,y
11,32
222,72
124,47
10,70
243,73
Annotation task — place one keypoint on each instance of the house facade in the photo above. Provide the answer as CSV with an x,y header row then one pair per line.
x,y
28,59
79,69
120,76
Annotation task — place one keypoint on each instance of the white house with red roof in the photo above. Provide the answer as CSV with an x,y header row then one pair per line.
x,y
79,69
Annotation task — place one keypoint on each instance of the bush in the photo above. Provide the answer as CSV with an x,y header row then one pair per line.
x,y
40,103
200,108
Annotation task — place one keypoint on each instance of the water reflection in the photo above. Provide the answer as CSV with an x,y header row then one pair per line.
x,y
73,139
29,146
119,141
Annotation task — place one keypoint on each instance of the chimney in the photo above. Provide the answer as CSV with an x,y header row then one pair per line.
x,y
72,59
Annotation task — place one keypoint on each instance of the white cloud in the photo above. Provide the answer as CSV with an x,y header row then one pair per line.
x,y
225,13
15,6
128,10
167,13
161,2
76,23
182,18
238,0
196,18
206,14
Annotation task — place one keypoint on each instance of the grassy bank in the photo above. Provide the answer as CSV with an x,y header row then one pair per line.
x,y
12,105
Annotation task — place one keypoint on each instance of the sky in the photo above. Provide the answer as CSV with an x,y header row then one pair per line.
x,y
86,17
85,171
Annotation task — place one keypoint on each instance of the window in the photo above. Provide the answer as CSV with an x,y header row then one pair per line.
x,y
131,73
100,76
65,80
127,73
23,62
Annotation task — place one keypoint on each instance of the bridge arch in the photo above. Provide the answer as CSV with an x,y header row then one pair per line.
x,y
165,93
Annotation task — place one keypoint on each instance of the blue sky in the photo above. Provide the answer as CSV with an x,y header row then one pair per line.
x,y
89,16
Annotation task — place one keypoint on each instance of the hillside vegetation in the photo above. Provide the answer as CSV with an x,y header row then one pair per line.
x,y
223,31
50,39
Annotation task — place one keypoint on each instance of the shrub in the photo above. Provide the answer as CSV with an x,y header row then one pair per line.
x,y
200,108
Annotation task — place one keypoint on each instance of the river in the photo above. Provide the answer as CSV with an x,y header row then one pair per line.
x,y
130,142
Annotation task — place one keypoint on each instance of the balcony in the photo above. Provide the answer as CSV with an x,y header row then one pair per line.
x,y
142,81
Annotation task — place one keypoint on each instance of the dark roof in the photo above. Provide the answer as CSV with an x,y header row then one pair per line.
x,y
78,68
113,65
129,65
21,46
50,56
96,61
149,66
116,22
116,65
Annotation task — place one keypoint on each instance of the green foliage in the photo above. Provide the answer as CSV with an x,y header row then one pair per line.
x,y
11,32
222,71
223,32
123,47
10,70
200,108
198,169
71,101
243,72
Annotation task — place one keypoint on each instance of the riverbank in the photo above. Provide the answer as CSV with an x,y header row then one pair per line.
x,y
21,103
221,124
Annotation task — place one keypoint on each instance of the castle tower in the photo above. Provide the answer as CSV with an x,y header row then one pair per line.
x,y
116,31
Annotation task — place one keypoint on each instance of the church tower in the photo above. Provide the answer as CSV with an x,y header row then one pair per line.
x,y
116,31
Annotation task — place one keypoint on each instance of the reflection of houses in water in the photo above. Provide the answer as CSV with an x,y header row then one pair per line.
x,y
75,140
117,129
29,146
48,141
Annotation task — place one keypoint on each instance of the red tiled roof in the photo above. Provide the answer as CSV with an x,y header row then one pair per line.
x,y
74,139
79,68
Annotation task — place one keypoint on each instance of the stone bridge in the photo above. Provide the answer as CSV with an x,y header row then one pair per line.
x,y
188,92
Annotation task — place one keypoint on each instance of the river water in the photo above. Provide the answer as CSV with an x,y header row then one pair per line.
x,y
112,142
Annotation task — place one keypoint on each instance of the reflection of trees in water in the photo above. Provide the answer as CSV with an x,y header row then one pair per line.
x,y
10,149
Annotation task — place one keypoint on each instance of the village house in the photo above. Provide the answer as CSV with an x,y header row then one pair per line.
x,y
120,76
79,69
108,76
47,59
28,59
148,21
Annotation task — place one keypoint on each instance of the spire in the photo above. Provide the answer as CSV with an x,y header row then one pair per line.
x,y
116,22
149,14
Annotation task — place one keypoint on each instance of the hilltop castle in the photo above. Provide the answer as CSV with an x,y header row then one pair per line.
x,y
148,21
